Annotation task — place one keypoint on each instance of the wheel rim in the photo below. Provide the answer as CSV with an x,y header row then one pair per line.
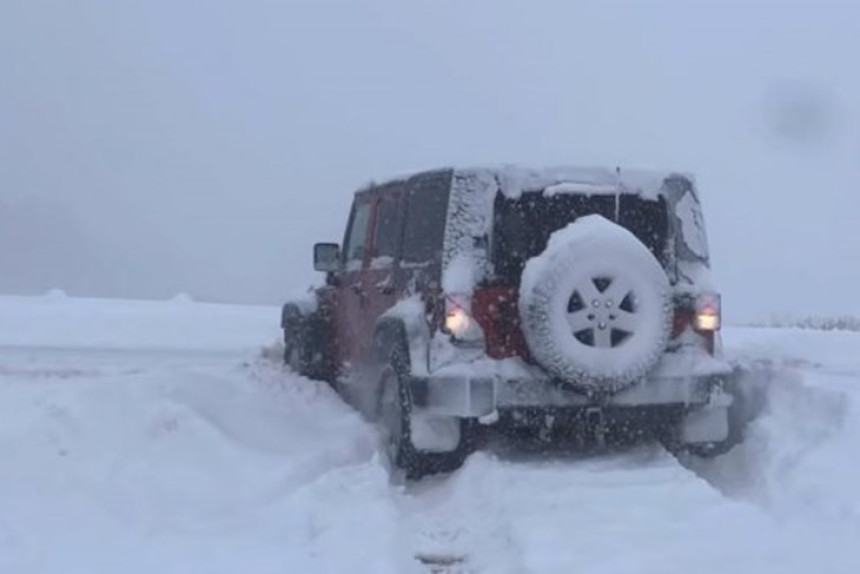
x,y
602,312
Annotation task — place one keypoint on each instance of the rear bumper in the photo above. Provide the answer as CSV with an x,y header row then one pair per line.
x,y
482,394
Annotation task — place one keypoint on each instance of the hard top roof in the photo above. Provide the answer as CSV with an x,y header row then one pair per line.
x,y
512,180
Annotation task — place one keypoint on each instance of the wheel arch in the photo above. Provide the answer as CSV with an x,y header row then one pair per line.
x,y
311,327
389,340
291,314
405,325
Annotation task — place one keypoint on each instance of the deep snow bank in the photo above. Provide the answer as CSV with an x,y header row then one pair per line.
x,y
119,457
799,458
129,460
206,465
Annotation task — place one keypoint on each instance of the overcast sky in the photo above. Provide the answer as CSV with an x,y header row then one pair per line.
x,y
155,147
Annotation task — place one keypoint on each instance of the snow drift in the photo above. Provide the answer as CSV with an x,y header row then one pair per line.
x,y
129,448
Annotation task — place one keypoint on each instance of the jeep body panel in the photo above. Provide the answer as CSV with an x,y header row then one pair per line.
x,y
388,252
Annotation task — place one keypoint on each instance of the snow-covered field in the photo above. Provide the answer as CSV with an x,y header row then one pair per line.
x,y
155,437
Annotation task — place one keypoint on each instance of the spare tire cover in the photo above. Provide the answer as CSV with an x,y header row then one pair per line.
x,y
595,306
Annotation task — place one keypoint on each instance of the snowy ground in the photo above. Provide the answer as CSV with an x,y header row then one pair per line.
x,y
154,437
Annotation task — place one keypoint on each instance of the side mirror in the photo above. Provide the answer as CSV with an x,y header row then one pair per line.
x,y
327,257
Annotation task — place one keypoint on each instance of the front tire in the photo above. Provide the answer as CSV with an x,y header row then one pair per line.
x,y
306,347
293,352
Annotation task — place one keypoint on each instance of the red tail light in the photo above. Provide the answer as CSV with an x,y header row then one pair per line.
x,y
701,315
708,314
496,310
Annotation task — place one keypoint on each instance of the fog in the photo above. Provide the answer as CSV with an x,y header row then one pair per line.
x,y
149,148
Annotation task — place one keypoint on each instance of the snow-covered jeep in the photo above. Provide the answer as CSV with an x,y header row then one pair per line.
x,y
571,301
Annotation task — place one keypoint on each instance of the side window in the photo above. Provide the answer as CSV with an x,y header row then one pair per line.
x,y
386,236
355,241
426,212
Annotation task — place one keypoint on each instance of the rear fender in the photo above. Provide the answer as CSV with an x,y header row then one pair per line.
x,y
405,324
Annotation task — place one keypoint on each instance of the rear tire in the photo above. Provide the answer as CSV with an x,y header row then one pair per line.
x,y
705,450
396,414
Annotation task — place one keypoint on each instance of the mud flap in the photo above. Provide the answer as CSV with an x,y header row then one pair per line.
x,y
435,433
720,425
707,425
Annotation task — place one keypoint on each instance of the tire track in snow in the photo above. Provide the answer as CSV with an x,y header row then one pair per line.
x,y
527,513
458,524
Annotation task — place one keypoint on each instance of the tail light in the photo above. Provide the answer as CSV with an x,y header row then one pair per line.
x,y
459,322
697,320
708,316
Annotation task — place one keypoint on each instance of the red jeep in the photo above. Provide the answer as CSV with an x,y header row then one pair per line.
x,y
570,301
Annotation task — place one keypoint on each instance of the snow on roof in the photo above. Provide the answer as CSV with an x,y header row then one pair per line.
x,y
474,190
514,180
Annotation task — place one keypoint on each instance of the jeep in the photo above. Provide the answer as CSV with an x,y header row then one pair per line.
x,y
572,302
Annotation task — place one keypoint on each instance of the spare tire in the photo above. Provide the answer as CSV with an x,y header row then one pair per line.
x,y
595,306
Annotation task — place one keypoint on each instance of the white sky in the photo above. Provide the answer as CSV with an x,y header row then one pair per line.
x,y
153,147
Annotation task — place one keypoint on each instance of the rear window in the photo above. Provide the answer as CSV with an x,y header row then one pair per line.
x,y
522,226
426,212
